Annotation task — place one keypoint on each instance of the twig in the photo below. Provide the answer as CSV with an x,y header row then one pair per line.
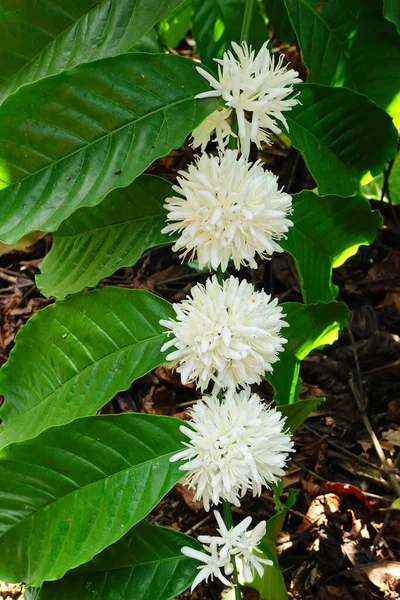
x,y
358,393
197,525
356,457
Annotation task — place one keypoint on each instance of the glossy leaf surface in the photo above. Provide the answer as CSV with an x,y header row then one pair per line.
x,y
350,44
309,327
329,129
76,355
95,242
90,130
74,490
38,39
327,231
146,564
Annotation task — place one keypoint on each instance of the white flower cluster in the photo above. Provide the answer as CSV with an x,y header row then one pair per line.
x,y
229,334
251,85
235,542
233,447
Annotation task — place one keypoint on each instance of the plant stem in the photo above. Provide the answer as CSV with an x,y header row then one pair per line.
x,y
229,523
248,13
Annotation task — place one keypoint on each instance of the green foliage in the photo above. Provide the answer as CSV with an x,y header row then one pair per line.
x,y
327,231
113,118
76,355
174,28
146,564
310,327
74,490
278,19
39,39
334,140
298,412
217,23
272,585
391,12
95,242
374,188
350,44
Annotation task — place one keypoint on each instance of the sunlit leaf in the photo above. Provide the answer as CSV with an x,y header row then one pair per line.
x,y
74,490
76,355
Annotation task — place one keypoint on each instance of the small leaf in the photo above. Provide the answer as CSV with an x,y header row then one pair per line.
x,y
174,28
341,43
329,128
146,564
396,504
327,231
373,189
90,130
310,327
74,490
216,24
298,412
44,38
76,355
94,242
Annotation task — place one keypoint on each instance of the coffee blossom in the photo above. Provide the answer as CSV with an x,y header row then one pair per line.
x,y
217,124
228,333
232,544
253,86
227,208
233,447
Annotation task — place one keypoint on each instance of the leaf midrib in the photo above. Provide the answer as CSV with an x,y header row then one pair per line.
x,y
150,562
100,139
64,383
78,490
331,31
30,62
110,226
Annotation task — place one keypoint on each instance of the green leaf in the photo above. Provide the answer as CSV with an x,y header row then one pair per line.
x,y
74,490
373,189
341,135
326,232
149,42
349,44
310,327
146,564
278,19
391,12
38,39
90,130
396,504
298,412
95,242
76,355
218,23
174,28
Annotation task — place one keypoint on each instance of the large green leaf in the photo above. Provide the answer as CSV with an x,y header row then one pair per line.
x,y
38,39
391,12
350,44
74,490
341,135
146,564
326,232
68,140
310,327
217,23
95,242
174,28
75,355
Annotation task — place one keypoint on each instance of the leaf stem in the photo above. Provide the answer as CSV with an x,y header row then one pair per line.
x,y
229,523
246,26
